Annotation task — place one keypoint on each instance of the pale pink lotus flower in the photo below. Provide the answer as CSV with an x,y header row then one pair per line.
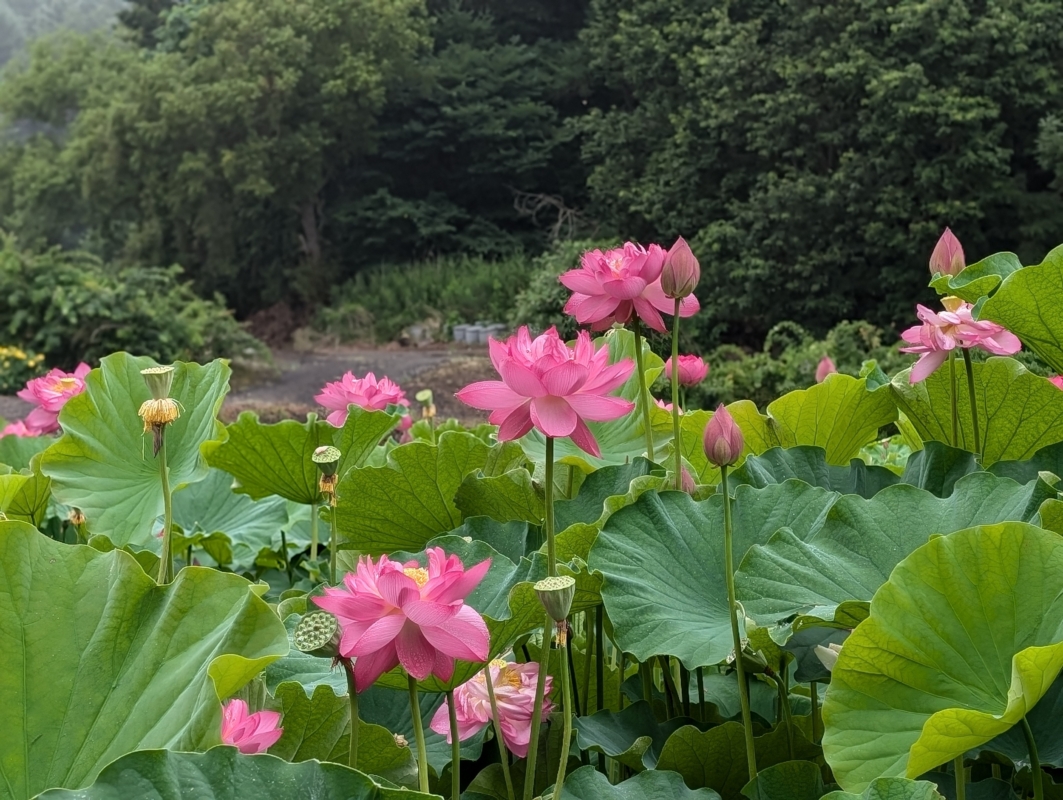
x,y
619,284
947,257
368,393
681,271
550,386
723,438
18,428
1057,381
50,393
666,406
514,687
392,613
826,367
692,370
944,331
251,733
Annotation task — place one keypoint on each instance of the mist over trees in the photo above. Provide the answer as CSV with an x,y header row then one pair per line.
x,y
24,20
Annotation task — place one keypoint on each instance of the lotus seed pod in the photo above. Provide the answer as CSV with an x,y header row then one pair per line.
x,y
159,381
318,633
556,595
327,459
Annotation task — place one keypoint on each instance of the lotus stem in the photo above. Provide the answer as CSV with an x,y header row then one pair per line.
x,y
348,669
684,684
548,520
1035,762
589,653
743,687
646,671
675,401
961,778
287,561
418,734
785,715
313,531
166,560
622,668
573,678
333,545
701,694
599,657
503,754
537,711
814,692
974,401
566,700
644,396
955,399
455,746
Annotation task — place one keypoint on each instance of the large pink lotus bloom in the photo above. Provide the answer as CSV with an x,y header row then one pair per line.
x,y
692,370
616,285
824,368
251,733
550,386
514,687
947,257
367,393
392,613
50,393
18,428
944,331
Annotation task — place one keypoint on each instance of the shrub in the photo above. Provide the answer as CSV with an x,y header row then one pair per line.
x,y
17,367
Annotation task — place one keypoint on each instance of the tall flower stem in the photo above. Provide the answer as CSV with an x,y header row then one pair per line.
x,y
455,747
503,754
537,711
743,687
348,669
675,400
313,531
644,396
814,694
166,561
599,657
548,520
974,401
418,734
1035,762
566,702
333,545
955,400
961,778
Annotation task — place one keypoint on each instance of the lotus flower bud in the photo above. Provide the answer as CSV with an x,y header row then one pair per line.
x,y
826,367
723,438
318,633
828,655
686,481
947,257
556,595
681,271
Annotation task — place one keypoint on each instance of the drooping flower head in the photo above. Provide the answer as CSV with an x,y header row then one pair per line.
x,y
18,428
692,370
947,257
50,393
615,285
251,733
550,386
368,393
824,368
944,331
514,688
392,613
723,438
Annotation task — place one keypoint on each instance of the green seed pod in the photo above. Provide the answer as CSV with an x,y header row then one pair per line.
x,y
318,633
556,595
327,459
159,381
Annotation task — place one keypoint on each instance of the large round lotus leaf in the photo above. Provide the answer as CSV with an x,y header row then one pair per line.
x,y
100,661
891,789
223,773
586,783
809,464
103,463
962,641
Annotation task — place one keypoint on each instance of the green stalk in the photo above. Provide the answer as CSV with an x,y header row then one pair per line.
x,y
1035,762
785,714
644,396
646,671
573,677
333,542
313,531
588,657
974,401
352,757
548,521
675,400
743,687
701,694
566,736
418,734
166,560
620,683
599,658
684,684
955,398
503,754
961,778
537,712
287,561
815,711
455,747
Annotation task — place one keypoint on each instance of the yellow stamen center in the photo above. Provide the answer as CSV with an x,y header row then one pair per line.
x,y
419,575
511,676
63,384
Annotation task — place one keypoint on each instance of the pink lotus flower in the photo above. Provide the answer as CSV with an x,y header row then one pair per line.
x,y
947,257
826,367
251,733
692,370
392,613
550,386
50,393
681,271
954,327
616,285
1057,381
367,393
514,687
666,406
18,428
723,438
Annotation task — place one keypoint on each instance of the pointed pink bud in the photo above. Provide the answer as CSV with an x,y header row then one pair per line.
x,y
826,367
947,257
681,271
723,438
686,481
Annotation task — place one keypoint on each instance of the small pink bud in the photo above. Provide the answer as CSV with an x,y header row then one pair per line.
x,y
947,257
681,271
826,367
686,481
723,438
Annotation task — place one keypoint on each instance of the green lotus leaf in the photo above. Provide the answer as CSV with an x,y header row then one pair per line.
x,y
307,670
891,789
790,780
988,789
1019,413
24,495
223,773
841,415
803,646
759,433
586,783
1044,723
103,464
1048,459
852,554
1027,304
508,538
962,641
979,279
662,558
809,464
102,661
511,496
275,459
17,451
591,504
632,736
937,467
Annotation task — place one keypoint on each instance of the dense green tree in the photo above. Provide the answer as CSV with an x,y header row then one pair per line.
x,y
143,18
23,20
